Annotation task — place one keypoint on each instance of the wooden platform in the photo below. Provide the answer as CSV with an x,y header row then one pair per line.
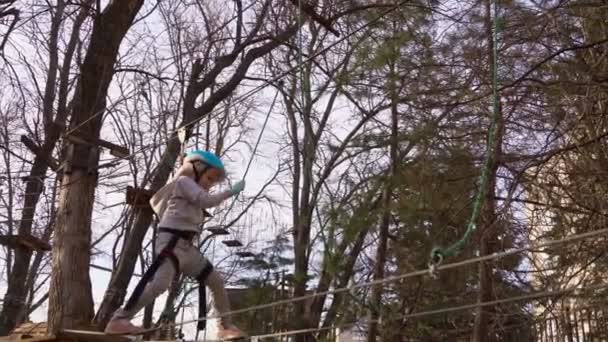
x,y
29,331
37,332
232,243
14,338
93,336
26,241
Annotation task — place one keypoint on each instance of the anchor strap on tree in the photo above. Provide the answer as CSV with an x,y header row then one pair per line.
x,y
439,253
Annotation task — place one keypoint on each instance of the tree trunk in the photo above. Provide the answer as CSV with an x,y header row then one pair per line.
x,y
304,217
302,239
346,268
376,298
70,298
343,279
482,330
148,315
34,268
15,298
488,243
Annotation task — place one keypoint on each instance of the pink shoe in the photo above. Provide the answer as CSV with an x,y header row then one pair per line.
x,y
122,326
229,332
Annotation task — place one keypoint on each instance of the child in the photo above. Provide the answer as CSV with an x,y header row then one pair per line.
x,y
180,205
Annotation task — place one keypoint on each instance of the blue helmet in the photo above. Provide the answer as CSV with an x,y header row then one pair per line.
x,y
206,157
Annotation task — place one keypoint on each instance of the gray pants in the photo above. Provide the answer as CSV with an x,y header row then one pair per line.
x,y
191,263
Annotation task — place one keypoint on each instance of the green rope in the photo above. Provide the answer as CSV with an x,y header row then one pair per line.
x,y
438,253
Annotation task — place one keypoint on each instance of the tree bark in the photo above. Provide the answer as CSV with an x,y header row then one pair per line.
x,y
376,298
347,271
33,273
347,263
303,219
14,299
70,298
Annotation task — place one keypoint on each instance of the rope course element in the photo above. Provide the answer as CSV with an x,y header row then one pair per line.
x,y
257,143
574,290
300,66
541,294
494,256
255,148
438,253
537,295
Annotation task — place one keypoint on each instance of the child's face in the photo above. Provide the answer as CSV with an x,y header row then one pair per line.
x,y
210,178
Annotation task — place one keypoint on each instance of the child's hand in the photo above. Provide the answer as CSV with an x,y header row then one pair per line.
x,y
238,187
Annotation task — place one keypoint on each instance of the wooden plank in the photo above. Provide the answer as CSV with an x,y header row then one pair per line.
x,y
232,243
9,241
217,230
21,338
28,241
93,336
138,197
30,332
31,328
245,254
34,243
73,335
115,150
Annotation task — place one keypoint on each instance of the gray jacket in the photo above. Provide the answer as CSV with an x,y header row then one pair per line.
x,y
180,204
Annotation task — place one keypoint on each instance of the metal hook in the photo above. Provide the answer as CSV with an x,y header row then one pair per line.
x,y
434,263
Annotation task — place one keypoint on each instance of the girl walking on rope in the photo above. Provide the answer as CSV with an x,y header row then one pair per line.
x,y
180,205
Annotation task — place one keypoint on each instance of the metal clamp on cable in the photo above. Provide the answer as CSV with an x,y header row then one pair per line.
x,y
435,262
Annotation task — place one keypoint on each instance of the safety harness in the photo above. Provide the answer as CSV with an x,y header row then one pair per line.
x,y
168,252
